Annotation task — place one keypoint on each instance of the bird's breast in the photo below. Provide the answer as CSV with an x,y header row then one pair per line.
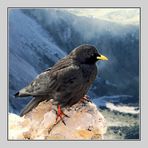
x,y
89,73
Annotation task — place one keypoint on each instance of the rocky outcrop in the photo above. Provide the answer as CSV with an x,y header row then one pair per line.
x,y
85,122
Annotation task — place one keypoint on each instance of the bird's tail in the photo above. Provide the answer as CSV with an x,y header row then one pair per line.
x,y
32,104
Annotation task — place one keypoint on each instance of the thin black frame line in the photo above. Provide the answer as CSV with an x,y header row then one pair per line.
x,y
140,105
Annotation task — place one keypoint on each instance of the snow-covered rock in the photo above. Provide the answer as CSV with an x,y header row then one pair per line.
x,y
85,122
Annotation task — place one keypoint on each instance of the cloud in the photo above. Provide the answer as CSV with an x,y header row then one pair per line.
x,y
119,15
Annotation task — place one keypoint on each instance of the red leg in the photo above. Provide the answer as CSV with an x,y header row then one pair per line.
x,y
60,114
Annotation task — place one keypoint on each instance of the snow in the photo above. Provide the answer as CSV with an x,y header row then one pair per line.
x,y
123,109
114,103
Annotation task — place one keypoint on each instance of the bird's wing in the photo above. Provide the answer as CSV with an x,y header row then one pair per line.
x,y
39,86
69,78
48,81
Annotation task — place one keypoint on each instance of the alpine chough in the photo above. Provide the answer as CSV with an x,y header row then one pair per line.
x,y
67,81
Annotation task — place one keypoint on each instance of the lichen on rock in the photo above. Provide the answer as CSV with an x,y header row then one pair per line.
x,y
85,122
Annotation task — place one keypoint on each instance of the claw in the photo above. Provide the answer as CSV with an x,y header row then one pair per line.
x,y
86,98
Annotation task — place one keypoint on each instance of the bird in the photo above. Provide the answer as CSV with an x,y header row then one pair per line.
x,y
66,82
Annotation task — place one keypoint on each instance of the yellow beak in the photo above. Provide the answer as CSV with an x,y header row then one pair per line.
x,y
102,57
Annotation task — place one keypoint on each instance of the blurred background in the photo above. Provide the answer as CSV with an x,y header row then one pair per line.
x,y
38,38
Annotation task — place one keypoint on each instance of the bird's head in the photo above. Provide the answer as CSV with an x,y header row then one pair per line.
x,y
87,54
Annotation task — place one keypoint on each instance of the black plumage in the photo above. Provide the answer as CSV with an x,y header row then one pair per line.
x,y
67,81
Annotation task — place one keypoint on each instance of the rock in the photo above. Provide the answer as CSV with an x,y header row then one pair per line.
x,y
85,122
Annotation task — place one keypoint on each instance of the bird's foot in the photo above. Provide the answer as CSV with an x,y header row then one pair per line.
x,y
60,114
86,98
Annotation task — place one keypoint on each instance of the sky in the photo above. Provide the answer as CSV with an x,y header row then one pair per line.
x,y
119,15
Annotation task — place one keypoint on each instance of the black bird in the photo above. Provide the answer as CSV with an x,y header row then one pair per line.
x,y
66,82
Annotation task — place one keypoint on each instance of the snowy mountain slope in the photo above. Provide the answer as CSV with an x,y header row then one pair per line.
x,y
39,37
31,50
